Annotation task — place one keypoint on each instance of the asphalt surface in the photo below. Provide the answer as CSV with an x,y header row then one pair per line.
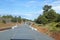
x,y
23,32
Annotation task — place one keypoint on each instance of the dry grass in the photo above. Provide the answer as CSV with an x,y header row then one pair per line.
x,y
2,25
44,30
40,28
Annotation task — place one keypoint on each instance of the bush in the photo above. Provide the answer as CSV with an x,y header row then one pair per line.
x,y
58,25
55,27
3,21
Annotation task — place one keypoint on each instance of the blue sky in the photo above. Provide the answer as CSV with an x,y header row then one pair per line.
x,y
29,9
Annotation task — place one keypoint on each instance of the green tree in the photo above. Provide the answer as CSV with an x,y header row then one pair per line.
x,y
7,16
46,8
58,18
41,20
4,21
51,15
14,19
19,19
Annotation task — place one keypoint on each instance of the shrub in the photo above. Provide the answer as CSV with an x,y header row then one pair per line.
x,y
3,21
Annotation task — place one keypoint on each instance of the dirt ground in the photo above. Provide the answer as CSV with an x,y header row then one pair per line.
x,y
6,26
55,35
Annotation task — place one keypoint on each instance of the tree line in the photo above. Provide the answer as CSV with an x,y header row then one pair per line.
x,y
10,18
49,15
6,18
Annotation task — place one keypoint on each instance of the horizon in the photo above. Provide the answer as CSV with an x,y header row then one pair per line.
x,y
29,9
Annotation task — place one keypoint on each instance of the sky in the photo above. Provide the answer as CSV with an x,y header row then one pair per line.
x,y
29,9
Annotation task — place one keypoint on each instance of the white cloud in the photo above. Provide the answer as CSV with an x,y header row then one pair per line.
x,y
4,12
32,4
56,6
29,15
57,9
32,15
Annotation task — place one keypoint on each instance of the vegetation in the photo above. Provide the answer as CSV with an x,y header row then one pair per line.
x,y
9,18
50,17
3,21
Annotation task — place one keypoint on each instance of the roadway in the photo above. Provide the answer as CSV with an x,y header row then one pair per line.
x,y
23,32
